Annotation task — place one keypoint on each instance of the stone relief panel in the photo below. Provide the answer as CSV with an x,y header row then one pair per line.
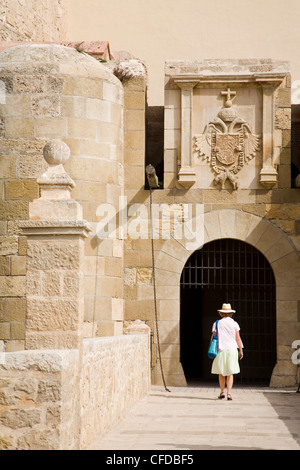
x,y
224,124
227,142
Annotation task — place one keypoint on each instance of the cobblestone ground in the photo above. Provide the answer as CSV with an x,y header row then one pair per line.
x,y
192,418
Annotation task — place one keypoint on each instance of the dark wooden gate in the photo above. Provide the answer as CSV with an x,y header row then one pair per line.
x,y
234,272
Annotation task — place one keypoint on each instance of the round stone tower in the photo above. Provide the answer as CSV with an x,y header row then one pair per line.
x,y
51,92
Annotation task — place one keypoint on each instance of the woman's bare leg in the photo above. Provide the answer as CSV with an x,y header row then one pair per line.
x,y
229,383
222,383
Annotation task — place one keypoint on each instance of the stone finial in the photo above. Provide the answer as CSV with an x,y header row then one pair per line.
x,y
128,69
55,202
56,152
56,183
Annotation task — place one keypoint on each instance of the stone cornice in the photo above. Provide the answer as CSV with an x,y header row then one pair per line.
x,y
192,80
55,227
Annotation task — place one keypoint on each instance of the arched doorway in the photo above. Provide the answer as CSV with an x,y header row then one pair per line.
x,y
228,270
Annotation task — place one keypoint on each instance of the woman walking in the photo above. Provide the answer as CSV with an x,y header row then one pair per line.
x,y
226,363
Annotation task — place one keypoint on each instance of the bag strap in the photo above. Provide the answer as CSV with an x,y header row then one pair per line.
x,y
217,328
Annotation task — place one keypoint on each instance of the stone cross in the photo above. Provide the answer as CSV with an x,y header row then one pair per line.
x,y
228,93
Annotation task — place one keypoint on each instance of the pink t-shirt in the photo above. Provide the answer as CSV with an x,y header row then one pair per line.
x,y
227,329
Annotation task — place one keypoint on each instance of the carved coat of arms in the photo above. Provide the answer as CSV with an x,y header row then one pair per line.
x,y
226,143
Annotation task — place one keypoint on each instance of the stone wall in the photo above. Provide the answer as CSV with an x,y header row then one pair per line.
x,y
39,400
33,20
56,400
115,374
138,289
261,211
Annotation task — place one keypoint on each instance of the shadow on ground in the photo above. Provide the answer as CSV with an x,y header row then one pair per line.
x,y
287,406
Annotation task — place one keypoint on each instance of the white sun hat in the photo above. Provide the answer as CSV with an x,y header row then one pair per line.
x,y
226,308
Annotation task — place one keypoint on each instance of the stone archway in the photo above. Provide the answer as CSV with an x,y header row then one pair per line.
x,y
280,253
228,270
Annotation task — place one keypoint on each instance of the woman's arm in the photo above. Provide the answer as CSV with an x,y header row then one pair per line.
x,y
239,343
214,332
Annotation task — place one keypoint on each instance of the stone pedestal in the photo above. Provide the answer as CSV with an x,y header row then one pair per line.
x,y
55,233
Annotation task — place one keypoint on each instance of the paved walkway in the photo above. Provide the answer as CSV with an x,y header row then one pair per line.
x,y
192,418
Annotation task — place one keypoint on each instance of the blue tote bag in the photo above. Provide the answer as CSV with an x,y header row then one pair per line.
x,y
214,344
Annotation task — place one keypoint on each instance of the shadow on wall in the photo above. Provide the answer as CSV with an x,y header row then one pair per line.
x,y
155,141
295,144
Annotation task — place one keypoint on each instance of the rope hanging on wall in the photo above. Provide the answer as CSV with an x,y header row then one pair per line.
x,y
153,183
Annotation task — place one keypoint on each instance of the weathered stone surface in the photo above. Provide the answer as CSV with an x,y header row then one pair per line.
x,y
227,66
4,266
39,440
114,373
18,265
137,327
60,256
284,97
43,361
46,105
4,331
29,84
42,21
20,418
48,391
14,286
13,210
17,330
130,276
283,211
59,315
36,340
28,386
8,245
144,275
119,364
21,189
8,166
283,118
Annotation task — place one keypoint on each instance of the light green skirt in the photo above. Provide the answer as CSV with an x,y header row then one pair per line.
x,y
226,363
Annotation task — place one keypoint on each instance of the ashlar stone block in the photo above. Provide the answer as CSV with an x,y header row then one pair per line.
x,y
16,127
46,105
21,189
82,128
52,315
134,100
62,255
52,127
14,309
8,245
18,265
29,84
12,286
